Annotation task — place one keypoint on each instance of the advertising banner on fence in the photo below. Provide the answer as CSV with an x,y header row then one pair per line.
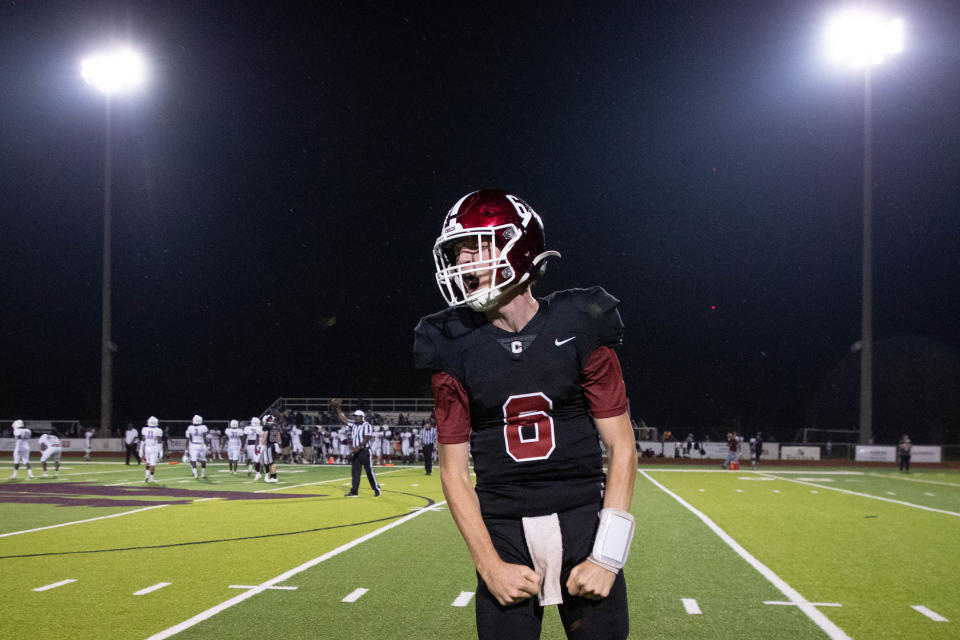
x,y
712,450
924,453
875,453
803,452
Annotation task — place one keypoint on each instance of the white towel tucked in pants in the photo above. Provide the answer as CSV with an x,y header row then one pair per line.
x,y
545,544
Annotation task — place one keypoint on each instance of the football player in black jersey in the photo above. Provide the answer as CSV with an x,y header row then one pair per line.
x,y
526,386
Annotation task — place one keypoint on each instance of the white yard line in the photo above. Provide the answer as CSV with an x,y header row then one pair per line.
x,y
697,470
933,615
820,473
307,484
159,585
818,618
872,497
256,586
899,477
67,524
55,585
92,473
463,599
355,595
691,607
226,604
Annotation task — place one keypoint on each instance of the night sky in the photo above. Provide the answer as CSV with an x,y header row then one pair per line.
x,y
278,187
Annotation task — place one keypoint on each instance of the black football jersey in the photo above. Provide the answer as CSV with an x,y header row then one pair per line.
x,y
534,444
273,435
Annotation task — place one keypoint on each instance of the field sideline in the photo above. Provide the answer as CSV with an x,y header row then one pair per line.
x,y
785,553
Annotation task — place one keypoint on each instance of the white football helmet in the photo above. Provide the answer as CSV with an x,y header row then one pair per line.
x,y
153,422
18,424
255,421
234,424
269,419
197,420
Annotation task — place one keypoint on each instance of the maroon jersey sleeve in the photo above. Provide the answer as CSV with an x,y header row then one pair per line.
x,y
452,409
603,384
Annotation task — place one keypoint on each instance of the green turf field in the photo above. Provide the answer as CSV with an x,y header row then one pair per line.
x,y
717,554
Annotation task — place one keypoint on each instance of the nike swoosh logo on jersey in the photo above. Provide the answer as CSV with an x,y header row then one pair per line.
x,y
557,342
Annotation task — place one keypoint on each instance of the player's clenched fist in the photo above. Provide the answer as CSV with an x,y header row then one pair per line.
x,y
511,583
591,581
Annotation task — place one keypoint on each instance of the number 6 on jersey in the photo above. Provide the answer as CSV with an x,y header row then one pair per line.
x,y
528,427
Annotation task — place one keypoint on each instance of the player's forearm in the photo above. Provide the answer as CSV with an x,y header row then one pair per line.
x,y
465,509
621,464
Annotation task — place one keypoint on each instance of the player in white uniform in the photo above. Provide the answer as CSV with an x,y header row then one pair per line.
x,y
234,436
346,438
296,446
50,447
386,447
197,446
88,436
151,447
405,448
21,449
334,444
215,446
252,434
376,457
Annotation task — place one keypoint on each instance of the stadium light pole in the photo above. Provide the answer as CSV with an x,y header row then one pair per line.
x,y
859,39
113,72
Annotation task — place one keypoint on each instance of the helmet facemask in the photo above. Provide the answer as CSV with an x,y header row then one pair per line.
x,y
509,253
481,282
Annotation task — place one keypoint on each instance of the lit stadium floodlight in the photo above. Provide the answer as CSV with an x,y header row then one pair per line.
x,y
121,70
116,71
857,38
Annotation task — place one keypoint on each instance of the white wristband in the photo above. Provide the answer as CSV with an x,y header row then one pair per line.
x,y
614,535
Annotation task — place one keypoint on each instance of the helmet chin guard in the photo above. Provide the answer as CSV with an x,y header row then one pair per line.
x,y
508,236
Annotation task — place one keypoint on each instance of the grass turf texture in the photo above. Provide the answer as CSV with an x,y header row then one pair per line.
x,y
875,558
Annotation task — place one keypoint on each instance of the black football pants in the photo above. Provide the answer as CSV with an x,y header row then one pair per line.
x,y
428,458
362,459
583,619
134,449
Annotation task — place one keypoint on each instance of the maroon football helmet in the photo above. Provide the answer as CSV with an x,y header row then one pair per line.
x,y
505,236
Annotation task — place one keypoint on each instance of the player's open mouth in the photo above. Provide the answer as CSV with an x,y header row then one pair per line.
x,y
471,282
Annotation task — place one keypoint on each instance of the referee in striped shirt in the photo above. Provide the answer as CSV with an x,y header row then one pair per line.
x,y
428,438
362,434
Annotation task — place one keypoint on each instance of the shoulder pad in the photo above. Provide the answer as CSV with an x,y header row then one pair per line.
x,y
595,311
436,339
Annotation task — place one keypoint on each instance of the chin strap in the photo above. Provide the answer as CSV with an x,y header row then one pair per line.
x,y
612,544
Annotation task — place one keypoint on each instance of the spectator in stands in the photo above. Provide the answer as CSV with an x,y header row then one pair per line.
x,y
904,449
